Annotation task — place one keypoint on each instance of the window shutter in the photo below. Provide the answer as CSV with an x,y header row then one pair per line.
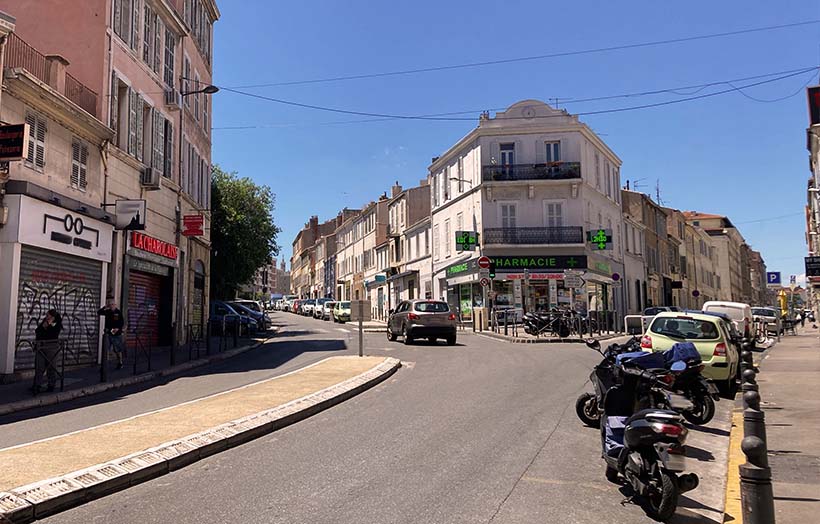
x,y
146,36
117,15
135,31
75,164
32,137
115,105
160,144
40,153
169,148
132,122
158,35
83,166
140,147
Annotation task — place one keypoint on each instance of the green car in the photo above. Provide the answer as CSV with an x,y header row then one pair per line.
x,y
341,312
711,336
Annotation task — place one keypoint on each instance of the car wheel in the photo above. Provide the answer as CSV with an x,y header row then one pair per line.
x,y
390,336
407,338
451,341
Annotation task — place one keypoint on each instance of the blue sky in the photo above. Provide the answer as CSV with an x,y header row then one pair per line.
x,y
726,154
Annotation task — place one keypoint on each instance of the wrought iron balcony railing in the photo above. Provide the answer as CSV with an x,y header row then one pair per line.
x,y
549,171
534,235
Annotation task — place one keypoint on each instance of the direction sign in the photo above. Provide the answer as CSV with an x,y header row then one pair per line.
x,y
484,262
485,282
573,281
773,279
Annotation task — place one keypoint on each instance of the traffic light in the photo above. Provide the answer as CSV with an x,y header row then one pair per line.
x,y
492,269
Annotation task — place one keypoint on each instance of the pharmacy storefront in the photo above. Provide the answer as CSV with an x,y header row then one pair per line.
x,y
536,282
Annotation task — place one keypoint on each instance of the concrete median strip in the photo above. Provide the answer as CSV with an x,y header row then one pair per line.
x,y
93,462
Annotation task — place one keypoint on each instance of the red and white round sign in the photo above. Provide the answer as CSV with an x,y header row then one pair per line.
x,y
484,262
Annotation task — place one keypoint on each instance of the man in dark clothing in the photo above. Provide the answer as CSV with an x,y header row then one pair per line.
x,y
47,348
112,334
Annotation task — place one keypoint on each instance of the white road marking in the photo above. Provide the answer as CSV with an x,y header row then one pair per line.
x,y
343,330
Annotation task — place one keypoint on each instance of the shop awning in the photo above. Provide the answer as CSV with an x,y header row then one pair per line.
x,y
403,275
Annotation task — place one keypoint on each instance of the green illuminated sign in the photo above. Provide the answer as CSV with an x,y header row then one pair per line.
x,y
466,240
600,239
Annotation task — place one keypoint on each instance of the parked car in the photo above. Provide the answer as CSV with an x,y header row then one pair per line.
x,y
307,308
431,319
327,310
250,304
296,306
341,311
711,336
287,302
262,319
740,313
223,314
770,316
319,307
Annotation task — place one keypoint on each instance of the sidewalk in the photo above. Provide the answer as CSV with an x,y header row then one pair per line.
x,y
789,381
47,476
83,381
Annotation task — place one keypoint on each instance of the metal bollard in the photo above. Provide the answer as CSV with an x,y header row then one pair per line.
x,y
505,322
756,496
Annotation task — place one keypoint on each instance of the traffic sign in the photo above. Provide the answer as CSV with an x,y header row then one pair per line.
x,y
773,279
484,262
573,281
485,282
483,273
616,277
695,293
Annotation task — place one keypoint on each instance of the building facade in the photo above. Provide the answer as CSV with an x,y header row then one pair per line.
x,y
532,181
408,271
728,244
813,213
128,61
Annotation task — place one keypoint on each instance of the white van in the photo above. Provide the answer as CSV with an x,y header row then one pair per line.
x,y
740,313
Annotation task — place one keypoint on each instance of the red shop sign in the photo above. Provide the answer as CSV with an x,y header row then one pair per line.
x,y
153,245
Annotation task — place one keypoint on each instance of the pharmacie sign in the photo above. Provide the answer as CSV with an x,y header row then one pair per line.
x,y
153,245
468,266
534,263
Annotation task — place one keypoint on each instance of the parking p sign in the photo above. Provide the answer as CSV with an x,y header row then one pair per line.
x,y
773,279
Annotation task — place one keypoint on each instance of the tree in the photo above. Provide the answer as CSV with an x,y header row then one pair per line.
x,y
243,234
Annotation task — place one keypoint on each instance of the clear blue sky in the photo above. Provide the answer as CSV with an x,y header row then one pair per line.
x,y
727,154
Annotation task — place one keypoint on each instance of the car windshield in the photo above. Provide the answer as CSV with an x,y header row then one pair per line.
x,y
685,328
344,305
432,307
731,312
763,312
251,305
652,311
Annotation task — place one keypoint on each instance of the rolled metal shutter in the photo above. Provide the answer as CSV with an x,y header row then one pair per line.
x,y
143,308
69,284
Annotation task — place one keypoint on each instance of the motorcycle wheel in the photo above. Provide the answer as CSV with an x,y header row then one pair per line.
x,y
703,412
612,475
662,505
586,407
563,331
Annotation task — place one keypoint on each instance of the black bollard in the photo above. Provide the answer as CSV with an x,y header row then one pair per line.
x,y
756,496
754,420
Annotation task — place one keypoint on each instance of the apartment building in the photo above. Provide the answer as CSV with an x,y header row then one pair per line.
x,y
532,181
139,67
408,271
702,261
813,211
634,279
268,282
306,281
728,243
358,272
757,276
639,207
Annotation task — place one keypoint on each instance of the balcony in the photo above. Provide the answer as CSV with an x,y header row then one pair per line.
x,y
21,55
515,172
534,235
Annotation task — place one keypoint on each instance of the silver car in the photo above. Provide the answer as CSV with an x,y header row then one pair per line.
x,y
430,319
770,317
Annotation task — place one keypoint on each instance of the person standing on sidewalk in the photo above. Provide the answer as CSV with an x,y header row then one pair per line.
x,y
47,347
112,334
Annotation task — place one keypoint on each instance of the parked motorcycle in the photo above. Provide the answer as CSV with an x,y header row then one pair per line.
x,y
646,447
588,405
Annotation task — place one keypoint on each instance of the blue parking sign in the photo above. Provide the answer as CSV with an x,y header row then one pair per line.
x,y
773,278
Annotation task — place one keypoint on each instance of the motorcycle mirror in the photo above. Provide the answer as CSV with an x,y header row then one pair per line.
x,y
594,344
679,366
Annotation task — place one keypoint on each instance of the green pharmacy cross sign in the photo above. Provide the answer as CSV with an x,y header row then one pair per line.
x,y
600,239
466,240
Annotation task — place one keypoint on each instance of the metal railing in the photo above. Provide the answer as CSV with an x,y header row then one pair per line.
x,y
80,94
19,54
534,235
549,171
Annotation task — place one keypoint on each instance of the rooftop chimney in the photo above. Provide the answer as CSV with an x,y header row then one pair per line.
x,y
395,190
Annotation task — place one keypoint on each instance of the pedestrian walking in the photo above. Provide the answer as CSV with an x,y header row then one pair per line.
x,y
112,333
46,350
802,319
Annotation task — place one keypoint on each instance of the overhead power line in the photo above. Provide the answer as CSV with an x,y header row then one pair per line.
x,y
457,118
770,219
533,58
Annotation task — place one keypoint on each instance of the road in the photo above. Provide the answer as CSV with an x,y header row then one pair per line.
x,y
481,432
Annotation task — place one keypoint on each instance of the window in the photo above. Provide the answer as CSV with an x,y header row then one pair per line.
x,y
435,190
426,241
126,21
158,142
461,174
507,214
446,181
79,164
168,145
418,245
553,152
597,171
36,156
507,154
447,240
186,84
196,97
607,174
460,222
205,126
554,213
159,27
170,46
148,35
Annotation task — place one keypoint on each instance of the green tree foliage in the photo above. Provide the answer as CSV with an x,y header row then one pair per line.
x,y
243,234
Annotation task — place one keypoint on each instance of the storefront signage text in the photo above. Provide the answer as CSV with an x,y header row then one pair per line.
x,y
468,266
505,263
13,142
153,245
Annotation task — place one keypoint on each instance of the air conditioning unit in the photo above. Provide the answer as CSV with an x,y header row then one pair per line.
x,y
172,98
150,178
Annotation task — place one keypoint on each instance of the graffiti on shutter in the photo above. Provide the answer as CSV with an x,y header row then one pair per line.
x,y
69,284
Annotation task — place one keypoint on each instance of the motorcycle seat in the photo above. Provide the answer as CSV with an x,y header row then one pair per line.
x,y
647,413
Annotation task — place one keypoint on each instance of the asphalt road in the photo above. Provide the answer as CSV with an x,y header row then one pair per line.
x,y
482,432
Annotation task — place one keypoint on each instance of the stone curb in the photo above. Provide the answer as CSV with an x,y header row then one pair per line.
x,y
516,340
64,396
47,497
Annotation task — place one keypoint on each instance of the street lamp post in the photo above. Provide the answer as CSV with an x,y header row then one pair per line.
x,y
207,90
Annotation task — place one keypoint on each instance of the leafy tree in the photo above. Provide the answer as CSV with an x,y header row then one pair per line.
x,y
243,234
